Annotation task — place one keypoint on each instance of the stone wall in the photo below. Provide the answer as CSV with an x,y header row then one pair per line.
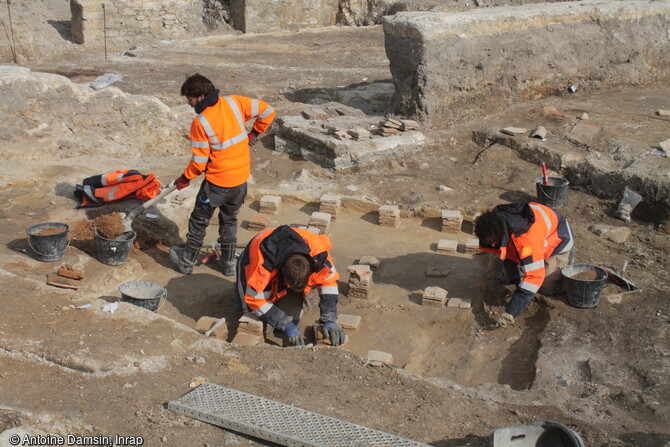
x,y
128,20
260,16
448,67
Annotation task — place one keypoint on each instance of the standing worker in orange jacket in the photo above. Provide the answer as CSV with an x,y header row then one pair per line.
x,y
535,243
220,145
277,270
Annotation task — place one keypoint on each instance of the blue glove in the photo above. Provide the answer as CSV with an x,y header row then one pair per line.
x,y
294,335
334,332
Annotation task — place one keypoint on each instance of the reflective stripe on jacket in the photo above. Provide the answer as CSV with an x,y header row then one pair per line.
x,y
262,261
535,232
121,184
219,139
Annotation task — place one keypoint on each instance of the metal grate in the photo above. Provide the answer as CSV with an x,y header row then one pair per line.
x,y
276,422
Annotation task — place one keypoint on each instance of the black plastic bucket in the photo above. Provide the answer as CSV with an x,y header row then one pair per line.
x,y
142,294
584,293
553,194
51,245
114,251
545,433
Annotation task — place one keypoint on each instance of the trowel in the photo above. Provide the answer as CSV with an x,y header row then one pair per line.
x,y
619,280
128,219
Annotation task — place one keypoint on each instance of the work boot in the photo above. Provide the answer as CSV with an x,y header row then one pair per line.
x,y
184,258
227,259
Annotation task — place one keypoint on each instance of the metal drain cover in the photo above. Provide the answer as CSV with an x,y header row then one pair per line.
x,y
276,422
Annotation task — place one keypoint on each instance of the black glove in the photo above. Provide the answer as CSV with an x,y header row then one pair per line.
x,y
334,332
182,182
253,137
294,335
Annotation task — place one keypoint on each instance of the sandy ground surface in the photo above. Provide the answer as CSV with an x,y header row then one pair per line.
x,y
601,371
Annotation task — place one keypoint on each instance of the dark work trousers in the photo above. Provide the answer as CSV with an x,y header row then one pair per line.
x,y
210,197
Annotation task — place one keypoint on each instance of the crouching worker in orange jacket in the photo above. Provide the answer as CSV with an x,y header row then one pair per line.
x,y
277,270
220,146
534,242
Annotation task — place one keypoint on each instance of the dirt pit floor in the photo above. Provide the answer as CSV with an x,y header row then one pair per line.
x,y
71,368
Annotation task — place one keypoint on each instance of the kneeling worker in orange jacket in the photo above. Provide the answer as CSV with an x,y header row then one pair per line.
x,y
535,242
283,264
220,146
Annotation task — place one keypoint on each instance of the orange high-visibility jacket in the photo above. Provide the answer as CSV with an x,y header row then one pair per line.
x,y
121,184
535,232
219,139
262,261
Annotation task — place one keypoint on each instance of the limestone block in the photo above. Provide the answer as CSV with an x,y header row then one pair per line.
x,y
434,296
360,281
472,245
249,322
465,303
205,323
389,215
320,220
434,272
349,322
246,339
270,204
447,246
380,356
330,203
452,220
258,222
513,130
454,302
371,261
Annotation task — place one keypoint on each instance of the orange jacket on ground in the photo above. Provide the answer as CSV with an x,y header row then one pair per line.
x,y
261,279
219,139
121,184
534,233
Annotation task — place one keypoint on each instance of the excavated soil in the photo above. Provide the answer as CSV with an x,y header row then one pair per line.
x,y
110,225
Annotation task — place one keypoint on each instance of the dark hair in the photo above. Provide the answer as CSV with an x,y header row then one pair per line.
x,y
296,270
197,85
489,224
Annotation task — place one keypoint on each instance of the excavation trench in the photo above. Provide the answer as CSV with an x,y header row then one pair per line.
x,y
450,342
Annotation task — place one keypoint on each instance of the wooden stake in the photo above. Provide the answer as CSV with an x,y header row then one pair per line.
x,y
104,27
11,29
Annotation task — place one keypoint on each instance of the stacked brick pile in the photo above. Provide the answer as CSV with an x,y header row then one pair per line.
x,y
249,330
258,222
451,221
390,127
359,133
434,296
389,216
360,281
472,246
330,204
320,220
270,204
338,132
